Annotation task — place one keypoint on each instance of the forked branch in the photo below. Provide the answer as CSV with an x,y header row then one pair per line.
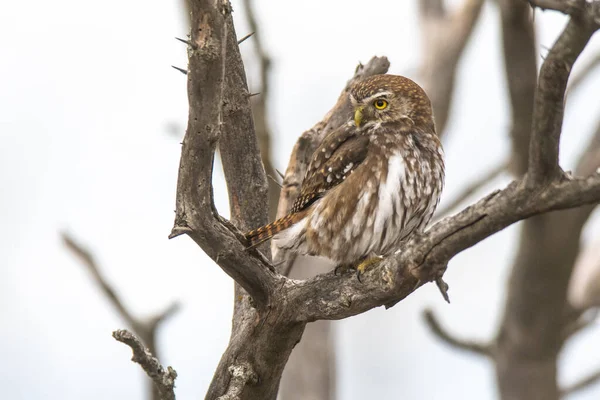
x,y
283,305
212,107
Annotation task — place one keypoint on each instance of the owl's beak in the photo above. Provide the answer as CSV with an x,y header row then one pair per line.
x,y
358,114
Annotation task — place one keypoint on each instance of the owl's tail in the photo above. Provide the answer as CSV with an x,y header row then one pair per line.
x,y
266,232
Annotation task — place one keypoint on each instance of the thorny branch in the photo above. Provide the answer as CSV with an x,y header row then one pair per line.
x,y
164,379
196,214
284,305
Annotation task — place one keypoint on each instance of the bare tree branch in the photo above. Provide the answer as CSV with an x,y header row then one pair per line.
x,y
472,188
467,345
164,380
444,37
313,360
549,99
259,106
195,212
88,260
316,344
582,384
218,100
584,287
145,328
520,54
424,258
263,339
532,328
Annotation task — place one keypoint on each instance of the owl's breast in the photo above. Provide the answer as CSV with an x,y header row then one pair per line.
x,y
380,205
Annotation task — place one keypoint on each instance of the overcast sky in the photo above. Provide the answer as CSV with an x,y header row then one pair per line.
x,y
88,102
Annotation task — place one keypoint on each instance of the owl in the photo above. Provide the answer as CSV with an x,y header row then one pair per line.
x,y
371,184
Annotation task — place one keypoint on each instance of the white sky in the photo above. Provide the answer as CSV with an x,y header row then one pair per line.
x,y
86,97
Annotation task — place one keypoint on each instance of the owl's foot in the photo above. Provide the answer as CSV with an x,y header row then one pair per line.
x,y
342,269
366,264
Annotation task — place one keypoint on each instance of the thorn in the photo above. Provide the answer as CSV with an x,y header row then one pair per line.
x,y
189,43
275,181
250,94
245,37
180,230
279,173
183,71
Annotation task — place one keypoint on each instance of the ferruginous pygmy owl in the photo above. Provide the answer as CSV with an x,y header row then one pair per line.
x,y
372,182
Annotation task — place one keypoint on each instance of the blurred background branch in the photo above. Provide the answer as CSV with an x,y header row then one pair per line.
x,y
444,36
146,328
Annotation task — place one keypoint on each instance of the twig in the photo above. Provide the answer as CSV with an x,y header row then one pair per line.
x,y
165,314
145,329
164,380
88,260
471,189
438,330
582,384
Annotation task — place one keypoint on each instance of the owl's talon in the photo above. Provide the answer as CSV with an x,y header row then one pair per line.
x,y
366,264
341,269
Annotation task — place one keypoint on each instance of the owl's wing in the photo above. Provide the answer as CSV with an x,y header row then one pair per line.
x,y
340,153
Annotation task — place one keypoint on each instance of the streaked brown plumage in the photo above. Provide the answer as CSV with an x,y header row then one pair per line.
x,y
371,183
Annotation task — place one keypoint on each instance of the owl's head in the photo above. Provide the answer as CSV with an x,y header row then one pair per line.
x,y
390,98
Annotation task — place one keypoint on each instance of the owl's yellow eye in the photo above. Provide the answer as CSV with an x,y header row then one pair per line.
x,y
380,104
